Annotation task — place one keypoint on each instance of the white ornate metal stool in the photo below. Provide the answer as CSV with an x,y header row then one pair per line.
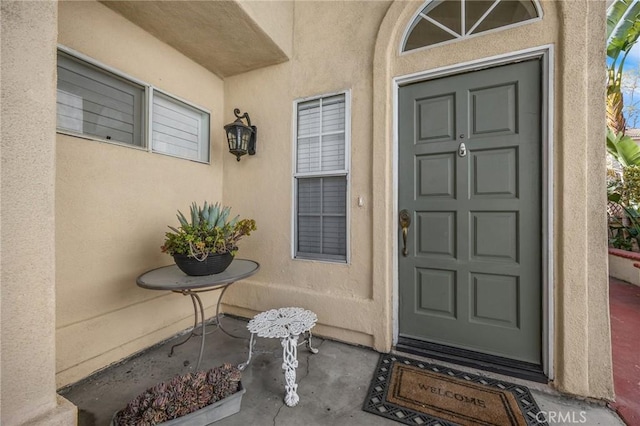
x,y
286,324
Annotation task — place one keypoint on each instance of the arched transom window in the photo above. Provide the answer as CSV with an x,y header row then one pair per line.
x,y
442,21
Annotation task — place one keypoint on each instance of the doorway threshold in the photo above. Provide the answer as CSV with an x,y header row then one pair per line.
x,y
480,361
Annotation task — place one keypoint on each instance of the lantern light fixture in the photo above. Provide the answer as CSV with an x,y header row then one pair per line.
x,y
241,137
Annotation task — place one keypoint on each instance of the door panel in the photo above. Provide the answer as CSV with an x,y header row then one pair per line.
x,y
494,236
494,173
436,175
437,119
493,110
437,292
436,234
472,276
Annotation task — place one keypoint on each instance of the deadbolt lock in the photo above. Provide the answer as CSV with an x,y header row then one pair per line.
x,y
462,150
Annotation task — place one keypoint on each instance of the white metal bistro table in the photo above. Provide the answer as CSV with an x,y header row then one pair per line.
x,y
171,278
286,324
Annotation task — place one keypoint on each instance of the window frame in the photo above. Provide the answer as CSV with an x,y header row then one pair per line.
x,y
147,108
345,172
413,22
165,94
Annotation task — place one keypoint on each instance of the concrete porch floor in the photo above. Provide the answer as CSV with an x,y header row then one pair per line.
x,y
332,384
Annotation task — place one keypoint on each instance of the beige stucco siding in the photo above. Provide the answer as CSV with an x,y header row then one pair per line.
x,y
27,332
333,52
355,302
275,18
583,275
113,203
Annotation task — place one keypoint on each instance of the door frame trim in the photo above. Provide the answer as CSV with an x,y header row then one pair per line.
x,y
546,55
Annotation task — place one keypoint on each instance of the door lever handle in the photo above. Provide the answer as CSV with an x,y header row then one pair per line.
x,y
405,222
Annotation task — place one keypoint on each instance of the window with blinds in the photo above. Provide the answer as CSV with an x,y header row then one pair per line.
x,y
97,103
321,178
105,105
179,129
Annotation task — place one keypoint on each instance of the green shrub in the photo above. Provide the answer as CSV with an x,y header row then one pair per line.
x,y
630,194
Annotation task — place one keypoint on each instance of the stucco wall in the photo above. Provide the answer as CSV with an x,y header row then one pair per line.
x,y
28,391
589,32
355,302
103,192
275,17
330,54
113,203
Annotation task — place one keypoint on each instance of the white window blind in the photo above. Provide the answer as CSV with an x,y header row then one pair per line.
x,y
95,102
322,215
321,179
179,129
321,135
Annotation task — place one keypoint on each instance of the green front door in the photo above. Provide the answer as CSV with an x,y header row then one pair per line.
x,y
469,180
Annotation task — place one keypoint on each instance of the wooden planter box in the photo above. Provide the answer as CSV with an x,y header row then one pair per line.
x,y
209,414
624,265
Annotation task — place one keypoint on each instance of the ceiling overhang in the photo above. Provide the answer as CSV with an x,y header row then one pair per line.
x,y
219,35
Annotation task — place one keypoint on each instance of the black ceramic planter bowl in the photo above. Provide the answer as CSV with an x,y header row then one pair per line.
x,y
212,264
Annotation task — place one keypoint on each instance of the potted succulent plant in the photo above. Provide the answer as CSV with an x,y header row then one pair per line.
x,y
207,243
191,399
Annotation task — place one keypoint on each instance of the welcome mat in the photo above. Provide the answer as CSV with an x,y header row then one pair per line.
x,y
419,393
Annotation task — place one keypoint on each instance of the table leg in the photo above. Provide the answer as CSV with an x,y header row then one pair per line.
x,y
198,314
289,365
218,316
203,332
245,364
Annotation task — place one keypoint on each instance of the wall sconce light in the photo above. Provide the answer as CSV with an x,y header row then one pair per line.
x,y
241,137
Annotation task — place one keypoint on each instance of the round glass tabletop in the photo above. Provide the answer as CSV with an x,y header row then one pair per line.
x,y
171,278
